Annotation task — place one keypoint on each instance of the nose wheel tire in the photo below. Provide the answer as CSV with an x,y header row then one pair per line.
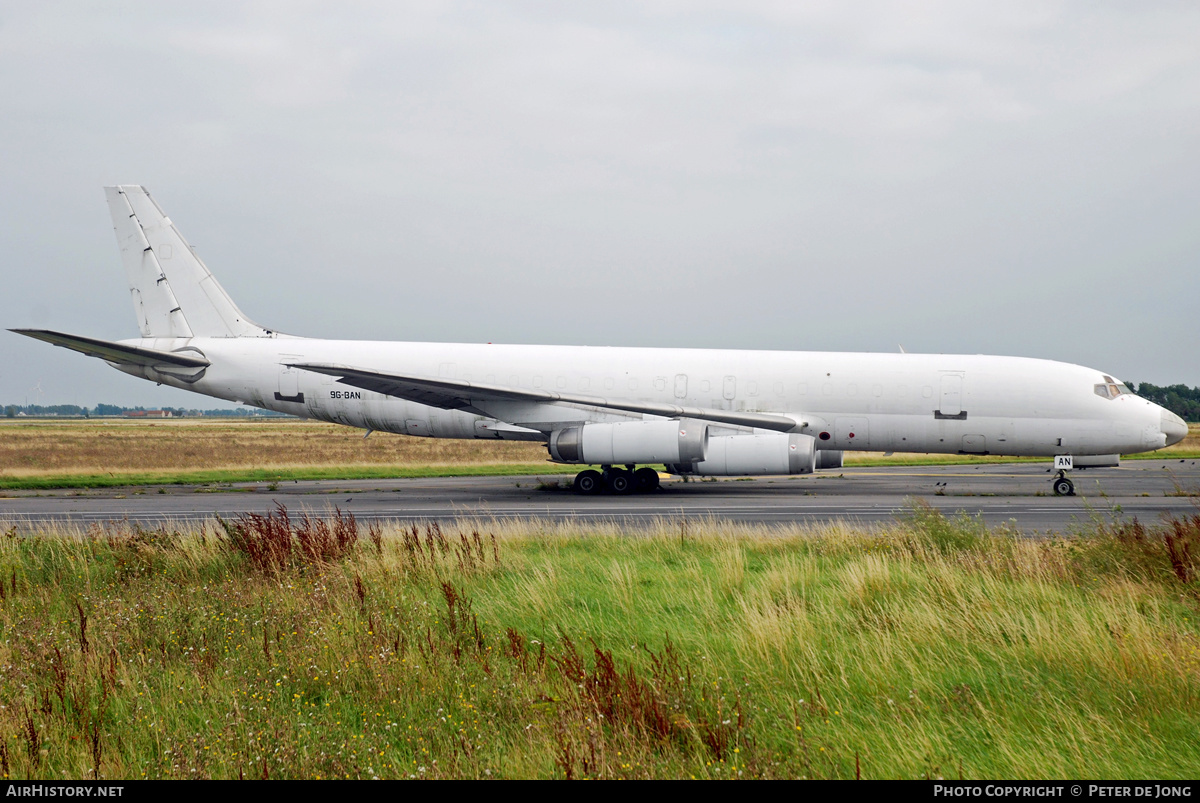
x,y
1063,487
588,482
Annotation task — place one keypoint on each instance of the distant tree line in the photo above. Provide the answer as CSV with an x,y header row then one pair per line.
x,y
74,410
1179,399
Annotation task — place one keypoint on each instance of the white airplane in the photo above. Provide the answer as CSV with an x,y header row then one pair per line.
x,y
698,411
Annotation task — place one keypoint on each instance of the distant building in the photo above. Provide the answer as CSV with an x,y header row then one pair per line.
x,y
148,414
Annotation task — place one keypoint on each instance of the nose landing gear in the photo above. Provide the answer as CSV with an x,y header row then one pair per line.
x,y
1062,483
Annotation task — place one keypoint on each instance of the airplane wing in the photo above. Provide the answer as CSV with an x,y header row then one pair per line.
x,y
115,352
456,394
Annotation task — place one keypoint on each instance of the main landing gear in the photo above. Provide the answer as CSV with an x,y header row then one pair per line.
x,y
616,480
1063,485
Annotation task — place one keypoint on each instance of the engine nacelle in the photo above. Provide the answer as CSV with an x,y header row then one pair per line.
x,y
767,453
829,458
682,441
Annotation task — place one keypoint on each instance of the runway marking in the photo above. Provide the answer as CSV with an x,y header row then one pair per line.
x,y
973,475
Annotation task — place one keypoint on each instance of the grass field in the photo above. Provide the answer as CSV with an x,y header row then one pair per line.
x,y
56,454
49,454
305,649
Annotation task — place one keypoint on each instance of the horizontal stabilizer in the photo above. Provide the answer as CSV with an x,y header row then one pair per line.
x,y
455,394
116,352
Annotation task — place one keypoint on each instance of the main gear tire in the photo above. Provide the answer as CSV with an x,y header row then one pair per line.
x,y
589,482
645,480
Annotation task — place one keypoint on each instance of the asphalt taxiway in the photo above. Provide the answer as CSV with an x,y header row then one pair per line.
x,y
1018,495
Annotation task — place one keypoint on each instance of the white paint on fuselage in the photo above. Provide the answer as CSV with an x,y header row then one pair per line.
x,y
878,402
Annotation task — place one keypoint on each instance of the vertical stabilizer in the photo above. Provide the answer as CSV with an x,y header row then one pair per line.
x,y
174,293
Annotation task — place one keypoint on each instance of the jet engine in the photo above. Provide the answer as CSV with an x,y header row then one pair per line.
x,y
767,453
678,441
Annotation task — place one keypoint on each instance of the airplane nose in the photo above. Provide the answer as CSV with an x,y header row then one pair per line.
x,y
1174,427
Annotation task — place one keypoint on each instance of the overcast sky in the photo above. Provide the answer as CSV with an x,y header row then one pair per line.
x,y
1008,178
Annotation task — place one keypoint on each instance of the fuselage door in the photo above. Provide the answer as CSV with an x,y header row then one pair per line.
x,y
681,386
289,386
951,403
974,444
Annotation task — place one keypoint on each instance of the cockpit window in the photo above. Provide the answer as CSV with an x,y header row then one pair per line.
x,y
1111,388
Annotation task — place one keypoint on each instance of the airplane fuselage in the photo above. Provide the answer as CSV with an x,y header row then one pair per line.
x,y
969,404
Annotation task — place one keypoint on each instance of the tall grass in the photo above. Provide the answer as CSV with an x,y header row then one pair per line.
x,y
284,646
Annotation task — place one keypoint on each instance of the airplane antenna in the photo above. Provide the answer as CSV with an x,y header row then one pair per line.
x,y
902,351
